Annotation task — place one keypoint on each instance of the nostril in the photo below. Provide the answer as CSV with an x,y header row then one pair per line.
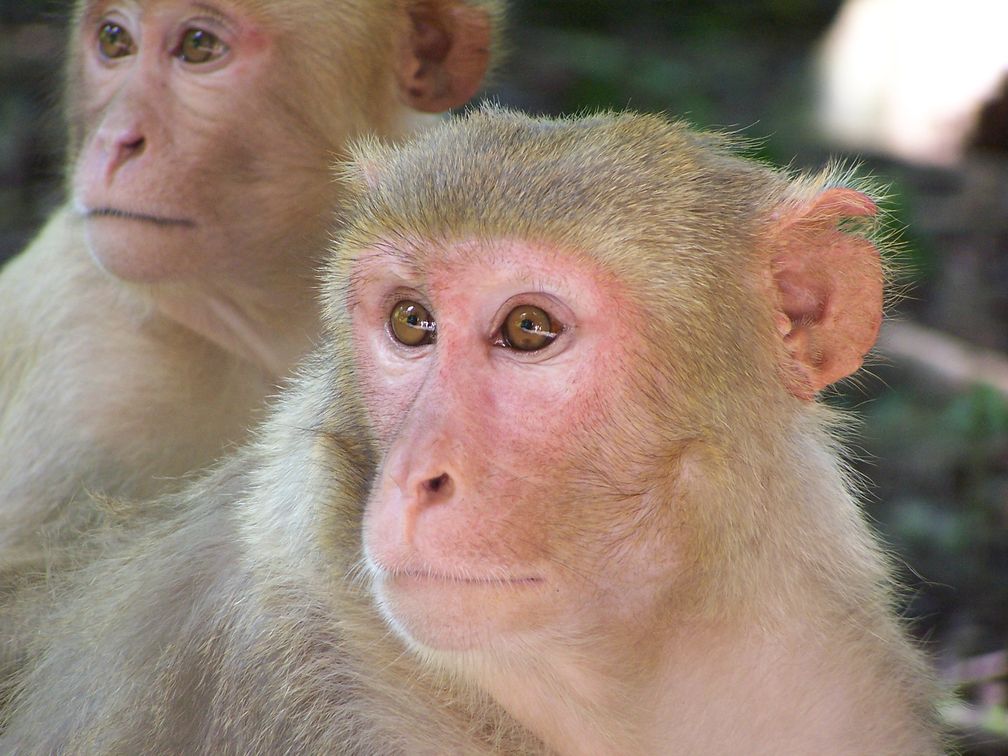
x,y
129,147
438,484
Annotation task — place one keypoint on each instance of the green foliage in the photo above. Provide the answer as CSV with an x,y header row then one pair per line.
x,y
944,504
26,11
730,64
919,259
692,19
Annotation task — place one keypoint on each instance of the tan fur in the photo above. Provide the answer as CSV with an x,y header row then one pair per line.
x,y
235,617
119,388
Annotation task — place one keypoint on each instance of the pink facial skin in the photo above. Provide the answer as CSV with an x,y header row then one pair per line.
x,y
477,530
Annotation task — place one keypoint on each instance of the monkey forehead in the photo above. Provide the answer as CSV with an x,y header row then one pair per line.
x,y
626,188
530,263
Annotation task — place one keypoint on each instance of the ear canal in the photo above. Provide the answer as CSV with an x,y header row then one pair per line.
x,y
446,55
829,290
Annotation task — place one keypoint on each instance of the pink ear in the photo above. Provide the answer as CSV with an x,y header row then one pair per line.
x,y
829,286
446,56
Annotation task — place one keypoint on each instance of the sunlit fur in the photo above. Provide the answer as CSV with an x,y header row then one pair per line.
x,y
237,616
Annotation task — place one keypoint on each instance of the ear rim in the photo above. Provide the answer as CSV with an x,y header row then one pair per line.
x,y
828,316
446,55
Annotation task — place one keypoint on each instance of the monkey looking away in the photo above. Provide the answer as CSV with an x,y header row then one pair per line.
x,y
147,323
555,481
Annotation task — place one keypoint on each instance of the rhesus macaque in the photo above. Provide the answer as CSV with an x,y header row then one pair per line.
x,y
144,327
555,481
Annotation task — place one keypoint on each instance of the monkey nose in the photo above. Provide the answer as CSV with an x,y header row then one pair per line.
x,y
425,490
122,147
420,497
129,147
132,145
421,475
439,487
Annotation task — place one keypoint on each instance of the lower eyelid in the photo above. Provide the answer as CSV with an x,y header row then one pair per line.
x,y
501,341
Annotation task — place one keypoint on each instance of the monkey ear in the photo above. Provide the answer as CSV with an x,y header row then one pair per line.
x,y
446,55
829,287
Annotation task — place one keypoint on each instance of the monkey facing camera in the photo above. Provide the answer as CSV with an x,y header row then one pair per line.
x,y
555,481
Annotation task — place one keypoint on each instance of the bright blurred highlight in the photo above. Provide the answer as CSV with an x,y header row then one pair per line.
x,y
909,77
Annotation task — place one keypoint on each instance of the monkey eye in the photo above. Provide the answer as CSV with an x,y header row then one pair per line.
x,y
200,46
114,41
411,324
528,328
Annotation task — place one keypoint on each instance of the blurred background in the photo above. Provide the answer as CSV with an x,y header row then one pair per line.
x,y
917,90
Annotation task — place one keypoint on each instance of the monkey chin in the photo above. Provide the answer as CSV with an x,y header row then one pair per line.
x,y
139,248
434,613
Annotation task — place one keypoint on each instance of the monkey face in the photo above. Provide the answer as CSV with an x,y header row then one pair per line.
x,y
190,160
493,378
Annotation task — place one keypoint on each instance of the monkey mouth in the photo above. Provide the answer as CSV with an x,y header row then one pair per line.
x,y
111,212
427,576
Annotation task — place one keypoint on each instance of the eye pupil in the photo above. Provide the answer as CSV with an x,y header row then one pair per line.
x,y
114,41
200,46
528,329
410,324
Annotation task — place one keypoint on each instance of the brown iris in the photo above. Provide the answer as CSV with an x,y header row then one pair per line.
x,y
528,328
411,324
114,41
199,46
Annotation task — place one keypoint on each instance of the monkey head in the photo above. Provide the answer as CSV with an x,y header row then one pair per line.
x,y
202,134
568,336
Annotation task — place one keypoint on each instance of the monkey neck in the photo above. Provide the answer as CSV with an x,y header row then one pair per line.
x,y
761,628
653,694
271,332
578,700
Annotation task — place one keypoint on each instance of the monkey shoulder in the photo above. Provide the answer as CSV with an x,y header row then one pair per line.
x,y
60,312
126,639
97,389
172,627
